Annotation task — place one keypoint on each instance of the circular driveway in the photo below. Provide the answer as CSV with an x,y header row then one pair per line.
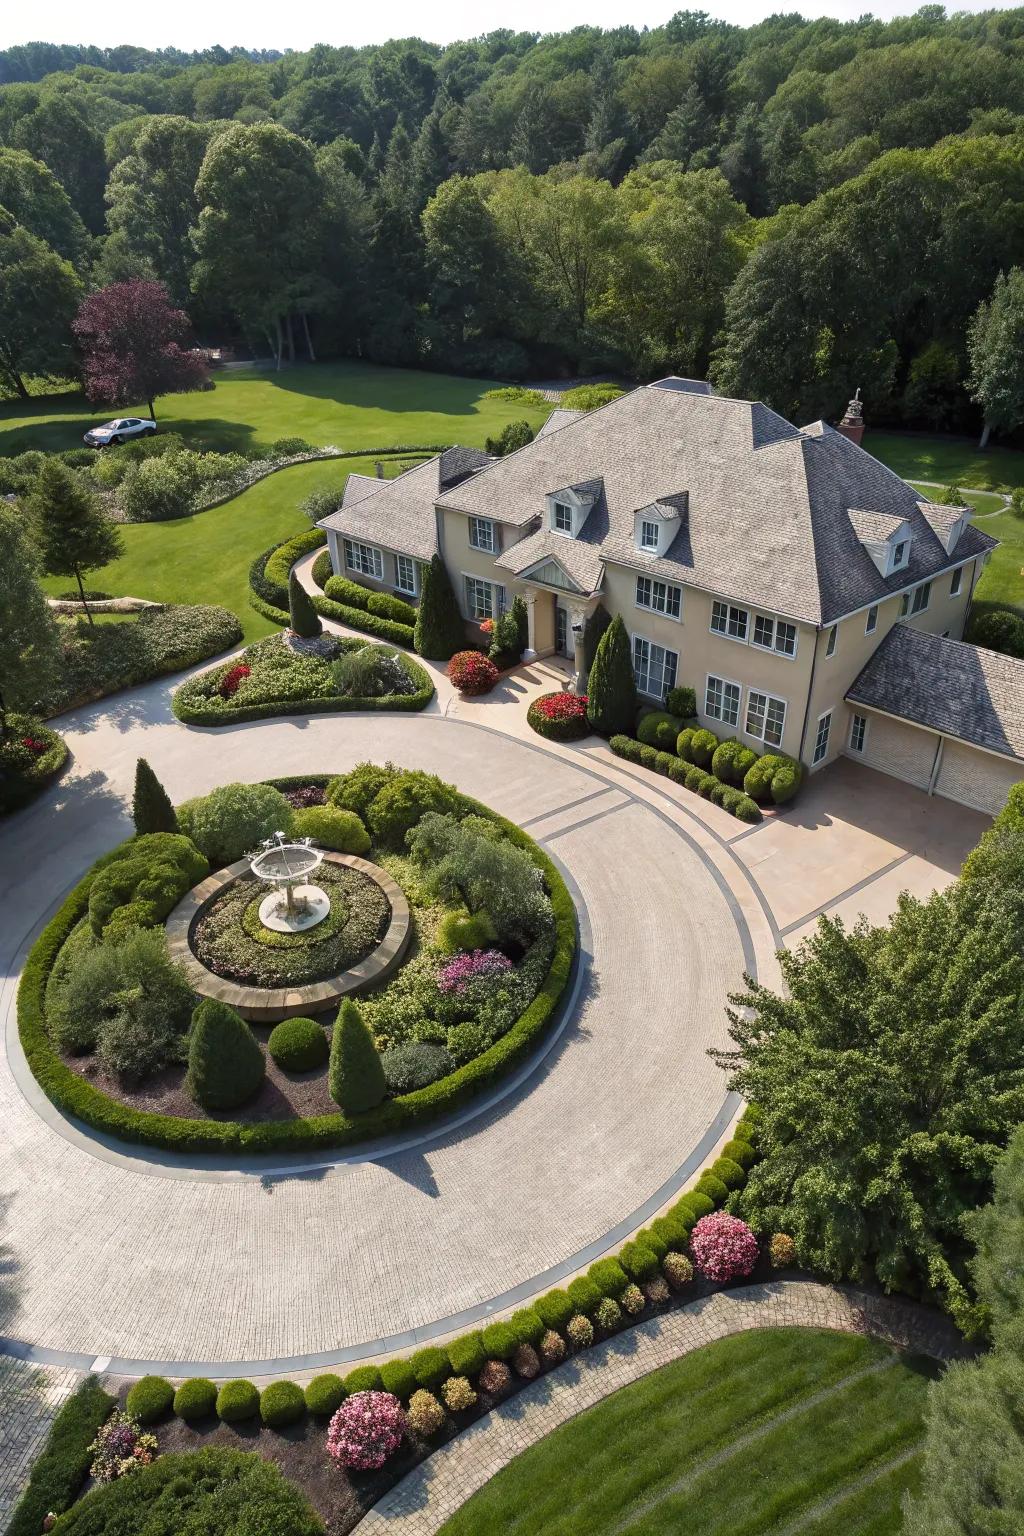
x,y
113,1252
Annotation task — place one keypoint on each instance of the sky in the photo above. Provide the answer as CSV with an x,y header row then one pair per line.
x,y
191,24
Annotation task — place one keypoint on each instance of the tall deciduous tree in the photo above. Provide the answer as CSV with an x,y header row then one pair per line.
x,y
29,641
995,343
72,533
38,294
32,194
135,345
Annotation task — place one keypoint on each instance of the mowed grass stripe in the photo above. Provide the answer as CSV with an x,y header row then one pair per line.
x,y
585,1476
745,1443
871,1508
835,1506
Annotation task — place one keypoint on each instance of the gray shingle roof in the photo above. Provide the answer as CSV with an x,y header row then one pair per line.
x,y
580,558
398,514
358,487
945,685
457,464
560,417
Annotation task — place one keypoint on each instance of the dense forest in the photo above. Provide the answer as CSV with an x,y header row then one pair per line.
x,y
794,208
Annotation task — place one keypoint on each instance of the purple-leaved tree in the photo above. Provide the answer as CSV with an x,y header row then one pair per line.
x,y
135,345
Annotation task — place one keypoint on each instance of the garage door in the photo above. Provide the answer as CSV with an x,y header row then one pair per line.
x,y
976,778
902,750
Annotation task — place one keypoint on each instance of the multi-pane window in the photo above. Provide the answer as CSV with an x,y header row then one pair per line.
x,y
727,620
956,582
722,701
484,600
659,596
364,559
900,553
481,534
821,738
858,731
920,599
830,644
774,635
654,668
766,717
872,620
648,535
563,518
405,574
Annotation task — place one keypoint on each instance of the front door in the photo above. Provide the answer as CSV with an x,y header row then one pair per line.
x,y
561,630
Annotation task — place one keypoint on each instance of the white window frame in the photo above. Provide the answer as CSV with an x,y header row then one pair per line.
x,y
364,559
956,582
558,507
672,596
832,642
775,627
666,652
858,727
897,564
731,614
871,622
647,527
497,597
821,741
400,586
725,683
481,528
767,700
923,606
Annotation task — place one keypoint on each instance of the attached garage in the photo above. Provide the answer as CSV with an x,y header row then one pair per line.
x,y
942,715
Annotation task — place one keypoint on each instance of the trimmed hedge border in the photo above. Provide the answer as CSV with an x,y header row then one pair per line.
x,y
62,1466
196,715
268,593
41,773
74,1096
689,775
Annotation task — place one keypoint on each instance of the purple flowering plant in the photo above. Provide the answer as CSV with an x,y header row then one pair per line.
x,y
475,965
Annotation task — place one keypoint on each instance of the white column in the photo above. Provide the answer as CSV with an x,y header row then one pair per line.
x,y
530,599
577,621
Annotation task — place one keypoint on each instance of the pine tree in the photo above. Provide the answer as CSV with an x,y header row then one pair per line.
x,y
305,620
356,1078
152,810
522,619
440,628
593,629
225,1063
73,535
611,690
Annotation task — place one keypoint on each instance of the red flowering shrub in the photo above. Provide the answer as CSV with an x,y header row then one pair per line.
x,y
232,680
487,627
559,716
472,672
34,745
723,1247
366,1430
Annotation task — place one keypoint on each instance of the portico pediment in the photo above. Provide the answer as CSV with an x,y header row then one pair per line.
x,y
549,573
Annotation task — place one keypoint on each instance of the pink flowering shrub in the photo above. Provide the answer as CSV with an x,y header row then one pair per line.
x,y
474,965
723,1247
366,1430
121,1446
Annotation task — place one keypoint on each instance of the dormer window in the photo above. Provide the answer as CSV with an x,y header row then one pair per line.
x,y
562,518
900,554
649,537
885,536
569,508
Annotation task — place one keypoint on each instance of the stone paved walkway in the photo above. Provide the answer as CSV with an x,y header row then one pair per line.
x,y
30,1397
421,1503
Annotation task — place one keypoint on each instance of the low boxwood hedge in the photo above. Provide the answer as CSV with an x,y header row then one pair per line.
x,y
298,1045
60,1469
268,593
282,1403
690,775
196,1398
237,1401
365,1378
225,712
150,1399
324,1395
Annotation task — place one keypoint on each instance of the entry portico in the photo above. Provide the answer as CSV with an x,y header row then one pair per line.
x,y
557,607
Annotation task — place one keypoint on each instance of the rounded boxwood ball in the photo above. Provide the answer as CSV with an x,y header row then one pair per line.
x,y
237,1400
298,1045
195,1398
149,1399
281,1403
325,1394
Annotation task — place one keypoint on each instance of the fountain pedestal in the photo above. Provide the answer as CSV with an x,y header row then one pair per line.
x,y
292,905
294,909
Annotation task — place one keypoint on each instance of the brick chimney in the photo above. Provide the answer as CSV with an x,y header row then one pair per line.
x,y
852,424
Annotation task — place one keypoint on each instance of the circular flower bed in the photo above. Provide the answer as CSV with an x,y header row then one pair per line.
x,y
231,941
472,672
365,1431
559,716
31,756
723,1247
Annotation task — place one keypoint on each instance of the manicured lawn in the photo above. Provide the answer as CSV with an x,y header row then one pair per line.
x,y
781,1430
347,405
983,502
1002,580
206,558
947,460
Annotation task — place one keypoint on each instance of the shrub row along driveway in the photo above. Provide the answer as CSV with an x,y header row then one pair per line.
x,y
116,1255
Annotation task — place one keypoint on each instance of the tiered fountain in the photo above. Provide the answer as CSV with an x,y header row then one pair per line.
x,y
293,905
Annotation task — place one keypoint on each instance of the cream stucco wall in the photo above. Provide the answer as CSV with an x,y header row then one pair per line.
x,y
389,579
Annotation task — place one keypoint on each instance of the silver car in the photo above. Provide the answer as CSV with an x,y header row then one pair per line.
x,y
118,431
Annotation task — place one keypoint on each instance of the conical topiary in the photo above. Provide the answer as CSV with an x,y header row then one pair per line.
x,y
440,628
225,1063
611,691
152,810
356,1075
305,620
